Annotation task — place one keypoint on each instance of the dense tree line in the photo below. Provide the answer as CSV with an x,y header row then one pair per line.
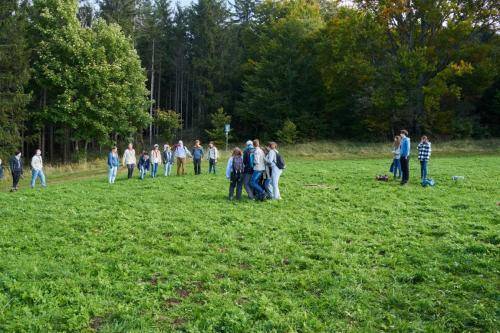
x,y
82,74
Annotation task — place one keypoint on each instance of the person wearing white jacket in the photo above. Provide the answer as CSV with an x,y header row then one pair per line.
x,y
275,171
37,169
129,159
258,168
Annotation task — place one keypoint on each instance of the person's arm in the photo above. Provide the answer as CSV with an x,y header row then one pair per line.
x,y
188,153
33,163
229,168
110,156
430,149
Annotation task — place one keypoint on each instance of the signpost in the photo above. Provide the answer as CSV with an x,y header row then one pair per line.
x,y
227,128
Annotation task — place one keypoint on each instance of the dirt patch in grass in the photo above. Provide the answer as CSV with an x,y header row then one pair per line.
x,y
96,323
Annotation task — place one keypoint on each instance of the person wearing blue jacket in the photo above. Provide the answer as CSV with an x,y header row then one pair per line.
x,y
143,164
405,156
113,163
248,168
197,153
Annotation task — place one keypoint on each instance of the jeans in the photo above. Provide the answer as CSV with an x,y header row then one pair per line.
x,y
142,172
181,161
254,182
275,178
130,170
405,167
211,165
37,174
236,183
154,169
247,177
268,187
423,169
15,178
112,174
197,165
168,168
396,168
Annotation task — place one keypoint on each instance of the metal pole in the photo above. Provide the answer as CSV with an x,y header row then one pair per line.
x,y
227,139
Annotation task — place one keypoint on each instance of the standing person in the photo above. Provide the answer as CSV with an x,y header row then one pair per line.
x,y
168,159
181,153
37,169
198,153
1,170
248,168
212,157
155,160
129,160
113,163
143,164
16,169
424,154
405,148
258,168
266,175
272,159
396,155
234,172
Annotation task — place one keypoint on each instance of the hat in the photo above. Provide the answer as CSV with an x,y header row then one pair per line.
x,y
156,145
249,143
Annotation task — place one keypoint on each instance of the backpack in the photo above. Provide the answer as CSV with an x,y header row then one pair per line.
x,y
280,162
237,164
428,182
247,163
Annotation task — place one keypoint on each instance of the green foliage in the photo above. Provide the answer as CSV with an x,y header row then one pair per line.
x,y
169,122
339,253
218,119
288,133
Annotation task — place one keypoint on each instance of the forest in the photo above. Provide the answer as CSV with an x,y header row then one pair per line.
x,y
79,76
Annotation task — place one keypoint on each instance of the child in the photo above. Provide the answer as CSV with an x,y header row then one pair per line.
x,y
197,157
234,172
396,155
113,163
212,157
168,158
143,164
424,154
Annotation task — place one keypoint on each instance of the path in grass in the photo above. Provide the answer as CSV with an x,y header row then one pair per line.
x,y
341,252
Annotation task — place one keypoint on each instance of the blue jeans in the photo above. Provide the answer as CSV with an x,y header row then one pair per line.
x,y
112,174
142,172
396,168
423,169
154,169
37,174
254,182
168,168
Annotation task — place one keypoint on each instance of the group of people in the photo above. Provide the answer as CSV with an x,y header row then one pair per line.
x,y
256,169
400,166
150,162
16,169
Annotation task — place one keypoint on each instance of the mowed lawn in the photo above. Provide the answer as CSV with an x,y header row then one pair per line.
x,y
340,253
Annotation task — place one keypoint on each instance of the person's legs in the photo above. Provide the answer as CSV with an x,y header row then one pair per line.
x,y
275,179
404,168
110,175
254,182
247,177
15,180
239,186
114,171
423,170
130,169
168,166
142,172
232,186
268,187
398,168
34,175
42,178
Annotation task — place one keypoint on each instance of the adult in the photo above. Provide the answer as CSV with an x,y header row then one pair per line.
x,y
405,156
234,172
129,160
168,159
197,156
248,168
113,163
271,158
16,169
155,157
1,170
212,157
37,169
258,168
396,156
180,154
424,154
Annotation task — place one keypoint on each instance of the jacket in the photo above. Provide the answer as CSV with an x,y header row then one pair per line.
x,y
198,153
113,160
258,160
129,157
168,157
37,163
396,152
405,147
424,151
16,165
143,162
155,156
213,153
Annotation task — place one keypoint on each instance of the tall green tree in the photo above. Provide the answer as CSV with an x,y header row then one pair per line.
x,y
121,12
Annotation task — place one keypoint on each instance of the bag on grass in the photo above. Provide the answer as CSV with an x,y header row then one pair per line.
x,y
382,178
428,182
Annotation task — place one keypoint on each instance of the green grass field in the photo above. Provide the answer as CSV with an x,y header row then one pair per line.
x,y
340,253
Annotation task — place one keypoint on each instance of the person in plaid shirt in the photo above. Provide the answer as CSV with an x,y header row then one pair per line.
x,y
424,153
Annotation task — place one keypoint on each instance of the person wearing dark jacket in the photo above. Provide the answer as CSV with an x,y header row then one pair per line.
x,y
248,168
198,154
143,164
16,169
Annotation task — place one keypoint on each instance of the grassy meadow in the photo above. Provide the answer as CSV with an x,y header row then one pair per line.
x,y
340,253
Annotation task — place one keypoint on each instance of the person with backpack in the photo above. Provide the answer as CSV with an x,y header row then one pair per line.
x,y
129,160
181,153
143,164
234,172
275,160
168,159
113,163
424,154
258,168
16,169
212,157
248,168
405,156
198,154
155,158
37,169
